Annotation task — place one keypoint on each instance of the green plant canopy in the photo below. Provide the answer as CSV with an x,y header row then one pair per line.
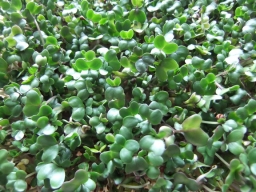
x,y
127,95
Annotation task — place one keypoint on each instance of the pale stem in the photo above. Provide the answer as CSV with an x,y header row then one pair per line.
x,y
39,30
223,161
134,186
211,122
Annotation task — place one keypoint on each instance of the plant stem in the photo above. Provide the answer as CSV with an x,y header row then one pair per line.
x,y
134,186
39,30
223,161
208,189
211,122
49,100
30,174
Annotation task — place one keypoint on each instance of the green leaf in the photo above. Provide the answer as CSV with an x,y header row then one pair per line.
x,y
114,83
89,55
5,5
151,144
180,178
33,98
6,167
126,34
42,122
169,64
159,42
170,48
45,110
34,8
50,153
192,122
161,96
197,62
137,164
81,176
21,46
16,30
155,117
55,174
132,145
192,131
130,121
161,74
90,185
50,40
137,3
137,15
75,102
95,64
235,148
146,142
253,168
235,135
108,156
81,64
20,185
153,172
46,141
249,26
126,155
78,113
164,131
155,160
93,16
144,110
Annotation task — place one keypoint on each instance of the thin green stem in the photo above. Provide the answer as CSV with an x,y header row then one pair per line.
x,y
223,161
39,30
134,186
30,174
49,100
211,122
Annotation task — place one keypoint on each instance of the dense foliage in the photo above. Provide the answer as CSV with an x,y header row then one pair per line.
x,y
127,95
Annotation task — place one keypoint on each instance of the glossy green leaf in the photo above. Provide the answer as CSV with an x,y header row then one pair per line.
x,y
137,15
155,117
137,3
235,148
127,34
153,172
46,141
33,7
192,131
50,153
132,145
52,172
16,30
170,48
81,176
137,164
126,155
78,113
95,64
81,64
50,40
75,102
169,64
155,160
159,42
108,155
33,98
130,121
20,185
235,135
